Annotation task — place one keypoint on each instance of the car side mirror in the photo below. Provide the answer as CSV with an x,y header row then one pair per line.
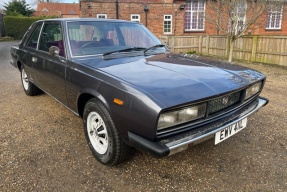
x,y
54,50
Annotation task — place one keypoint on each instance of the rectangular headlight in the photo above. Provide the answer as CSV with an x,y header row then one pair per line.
x,y
183,115
253,90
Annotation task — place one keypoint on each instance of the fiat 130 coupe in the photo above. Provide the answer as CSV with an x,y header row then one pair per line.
x,y
130,90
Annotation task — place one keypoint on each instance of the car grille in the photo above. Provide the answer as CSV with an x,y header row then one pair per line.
x,y
216,107
223,102
211,125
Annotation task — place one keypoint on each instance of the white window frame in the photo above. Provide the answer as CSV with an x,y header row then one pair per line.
x,y
197,14
102,16
272,16
241,14
239,18
138,17
165,19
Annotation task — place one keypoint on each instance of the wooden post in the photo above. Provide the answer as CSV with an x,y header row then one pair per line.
x,y
172,44
200,44
254,48
207,44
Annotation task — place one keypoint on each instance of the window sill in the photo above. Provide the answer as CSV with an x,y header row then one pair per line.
x,y
194,31
273,29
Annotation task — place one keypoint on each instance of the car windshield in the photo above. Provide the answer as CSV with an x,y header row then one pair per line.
x,y
101,37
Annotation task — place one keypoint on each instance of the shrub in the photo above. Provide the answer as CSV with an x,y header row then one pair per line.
x,y
16,26
191,52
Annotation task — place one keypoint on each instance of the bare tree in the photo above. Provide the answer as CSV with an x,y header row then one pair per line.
x,y
235,17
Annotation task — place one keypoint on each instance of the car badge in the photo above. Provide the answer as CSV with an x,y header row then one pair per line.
x,y
225,100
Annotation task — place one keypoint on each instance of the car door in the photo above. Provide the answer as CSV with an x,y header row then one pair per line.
x,y
49,70
30,51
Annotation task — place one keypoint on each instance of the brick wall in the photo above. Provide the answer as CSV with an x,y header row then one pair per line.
x,y
159,8
155,15
261,28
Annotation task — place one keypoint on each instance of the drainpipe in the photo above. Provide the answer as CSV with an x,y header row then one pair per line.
x,y
146,9
117,9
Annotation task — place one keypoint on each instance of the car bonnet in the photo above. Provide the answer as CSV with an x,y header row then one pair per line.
x,y
174,79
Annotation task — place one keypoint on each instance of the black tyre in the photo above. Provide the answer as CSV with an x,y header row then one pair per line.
x,y
102,136
29,88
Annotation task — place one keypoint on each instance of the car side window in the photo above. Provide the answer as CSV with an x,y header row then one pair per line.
x,y
52,36
33,41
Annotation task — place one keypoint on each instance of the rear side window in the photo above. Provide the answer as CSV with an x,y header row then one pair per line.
x,y
33,41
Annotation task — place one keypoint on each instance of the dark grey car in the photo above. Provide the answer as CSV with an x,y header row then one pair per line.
x,y
130,91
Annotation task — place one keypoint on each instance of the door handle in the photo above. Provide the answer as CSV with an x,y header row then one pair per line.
x,y
34,59
63,60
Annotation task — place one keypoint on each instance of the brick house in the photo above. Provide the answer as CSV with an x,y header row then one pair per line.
x,y
179,17
57,9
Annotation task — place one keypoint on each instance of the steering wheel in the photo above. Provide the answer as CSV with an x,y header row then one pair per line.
x,y
89,44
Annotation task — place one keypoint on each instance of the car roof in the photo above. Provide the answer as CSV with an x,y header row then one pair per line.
x,y
85,19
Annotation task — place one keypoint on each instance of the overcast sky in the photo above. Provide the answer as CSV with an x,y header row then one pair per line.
x,y
33,3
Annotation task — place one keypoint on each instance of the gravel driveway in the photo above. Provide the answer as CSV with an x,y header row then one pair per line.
x,y
42,148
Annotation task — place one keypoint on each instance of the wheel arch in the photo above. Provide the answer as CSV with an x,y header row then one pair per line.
x,y
85,97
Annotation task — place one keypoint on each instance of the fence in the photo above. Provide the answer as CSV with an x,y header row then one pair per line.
x,y
265,49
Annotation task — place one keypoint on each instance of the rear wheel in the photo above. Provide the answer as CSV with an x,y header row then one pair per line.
x,y
29,88
102,136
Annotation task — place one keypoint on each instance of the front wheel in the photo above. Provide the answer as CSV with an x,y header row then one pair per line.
x,y
102,136
29,88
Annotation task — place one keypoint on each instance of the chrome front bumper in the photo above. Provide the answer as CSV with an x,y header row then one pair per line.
x,y
170,147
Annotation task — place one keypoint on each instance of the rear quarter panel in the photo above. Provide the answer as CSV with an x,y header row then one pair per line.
x,y
14,55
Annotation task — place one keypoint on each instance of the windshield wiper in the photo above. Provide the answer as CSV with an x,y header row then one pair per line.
x,y
134,49
126,49
153,47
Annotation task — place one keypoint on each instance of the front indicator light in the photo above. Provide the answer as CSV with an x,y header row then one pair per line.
x,y
118,101
184,115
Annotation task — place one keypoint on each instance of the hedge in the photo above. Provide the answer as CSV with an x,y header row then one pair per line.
x,y
16,26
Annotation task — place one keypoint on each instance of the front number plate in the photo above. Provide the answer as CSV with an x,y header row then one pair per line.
x,y
230,130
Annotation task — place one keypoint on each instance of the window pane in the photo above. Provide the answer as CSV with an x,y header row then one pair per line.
x,y
33,41
167,24
268,20
51,36
195,13
201,6
188,7
101,16
135,18
194,6
187,20
274,17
